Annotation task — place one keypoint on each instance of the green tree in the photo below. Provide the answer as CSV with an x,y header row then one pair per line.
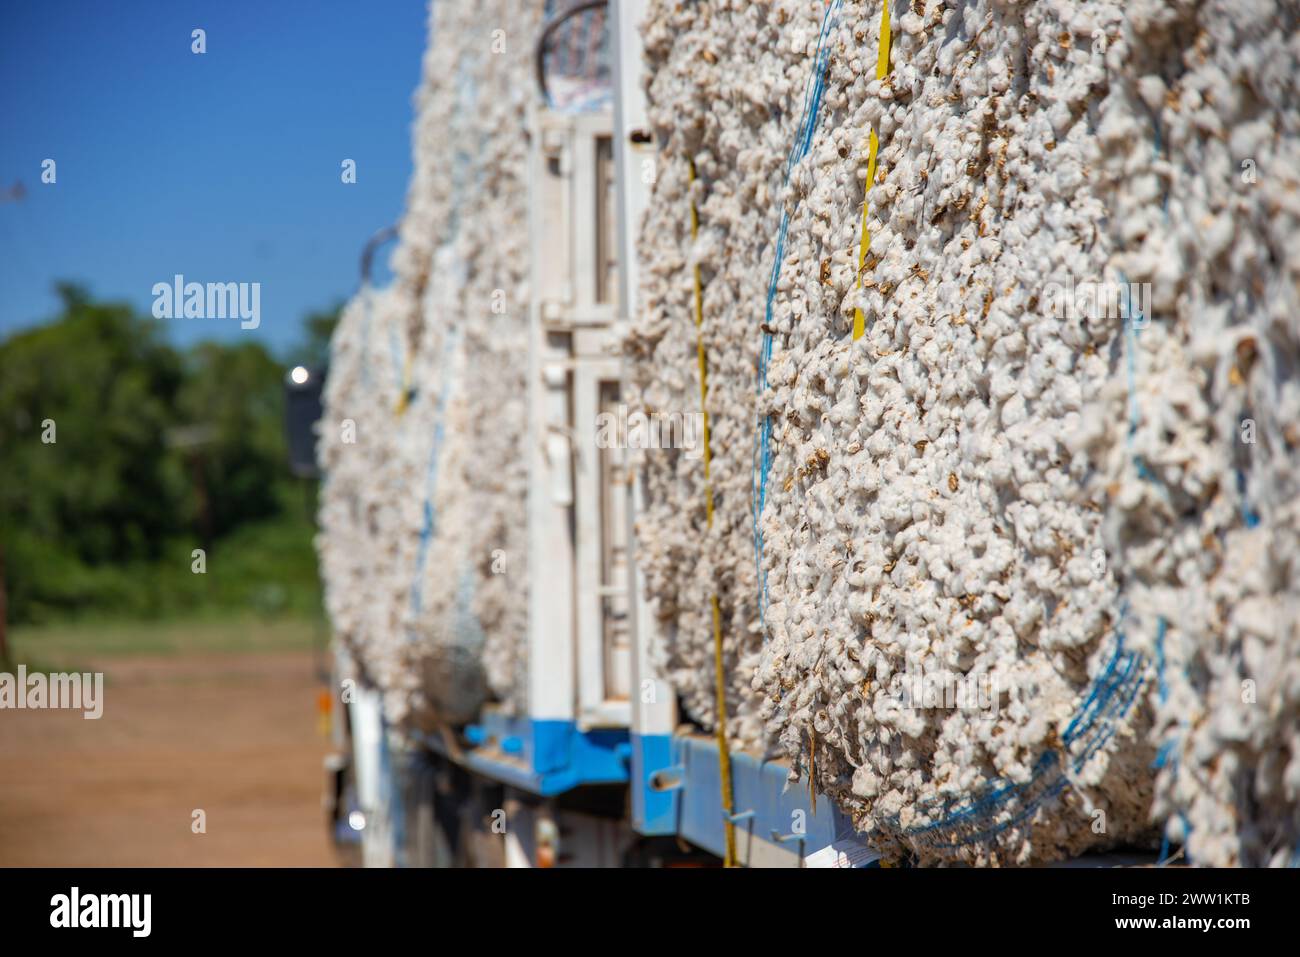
x,y
119,454
231,408
84,404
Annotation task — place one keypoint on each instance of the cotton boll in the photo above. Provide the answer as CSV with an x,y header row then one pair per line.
x,y
927,389
429,633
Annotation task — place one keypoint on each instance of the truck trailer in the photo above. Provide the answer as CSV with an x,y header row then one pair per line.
x,y
810,433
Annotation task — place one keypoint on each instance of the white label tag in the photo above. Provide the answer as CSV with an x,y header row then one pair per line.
x,y
842,853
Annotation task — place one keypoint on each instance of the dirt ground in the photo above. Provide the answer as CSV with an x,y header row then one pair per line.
x,y
235,735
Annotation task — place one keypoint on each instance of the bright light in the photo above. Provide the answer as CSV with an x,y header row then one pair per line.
x,y
357,821
299,375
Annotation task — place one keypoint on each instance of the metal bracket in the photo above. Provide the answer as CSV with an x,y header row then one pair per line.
x,y
737,818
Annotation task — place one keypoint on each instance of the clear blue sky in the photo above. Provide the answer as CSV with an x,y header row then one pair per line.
x,y
223,166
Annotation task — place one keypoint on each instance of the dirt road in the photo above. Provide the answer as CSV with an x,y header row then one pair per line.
x,y
234,735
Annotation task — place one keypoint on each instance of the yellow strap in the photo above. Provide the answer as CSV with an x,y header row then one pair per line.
x,y
404,399
719,678
882,70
